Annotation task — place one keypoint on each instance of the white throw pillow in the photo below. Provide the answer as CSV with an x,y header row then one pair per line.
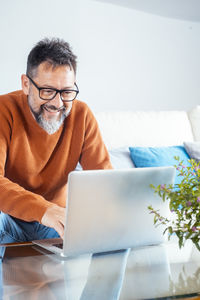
x,y
120,158
193,149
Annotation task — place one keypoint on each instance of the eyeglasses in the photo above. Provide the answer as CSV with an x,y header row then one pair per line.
x,y
48,94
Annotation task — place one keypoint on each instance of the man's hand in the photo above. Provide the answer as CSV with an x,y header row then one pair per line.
x,y
55,217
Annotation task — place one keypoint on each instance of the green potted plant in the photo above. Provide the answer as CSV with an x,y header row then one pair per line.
x,y
184,203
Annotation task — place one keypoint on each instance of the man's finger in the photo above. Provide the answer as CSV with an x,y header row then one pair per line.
x,y
55,217
60,229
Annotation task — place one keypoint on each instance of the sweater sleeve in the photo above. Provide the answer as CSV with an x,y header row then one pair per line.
x,y
14,199
94,153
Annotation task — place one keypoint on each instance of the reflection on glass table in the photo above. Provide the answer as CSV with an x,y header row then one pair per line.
x,y
162,271
151,272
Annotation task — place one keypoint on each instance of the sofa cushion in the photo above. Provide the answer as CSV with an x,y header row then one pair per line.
x,y
159,156
120,158
194,117
193,149
144,128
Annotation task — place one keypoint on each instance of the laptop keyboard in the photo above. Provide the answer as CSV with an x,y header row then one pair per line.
x,y
60,245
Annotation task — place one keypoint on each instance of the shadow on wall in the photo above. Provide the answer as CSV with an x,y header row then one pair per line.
x,y
179,9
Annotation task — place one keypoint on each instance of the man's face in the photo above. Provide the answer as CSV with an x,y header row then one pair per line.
x,y
50,114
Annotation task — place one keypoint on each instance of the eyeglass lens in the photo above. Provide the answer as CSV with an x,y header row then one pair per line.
x,y
49,94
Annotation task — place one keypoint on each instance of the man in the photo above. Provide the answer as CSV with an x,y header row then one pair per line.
x,y
44,133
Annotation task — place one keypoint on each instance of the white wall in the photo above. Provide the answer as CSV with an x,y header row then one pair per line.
x,y
127,59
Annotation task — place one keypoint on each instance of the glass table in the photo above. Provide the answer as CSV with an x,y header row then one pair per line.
x,y
163,271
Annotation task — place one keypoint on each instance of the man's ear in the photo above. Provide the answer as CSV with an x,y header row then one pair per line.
x,y
25,84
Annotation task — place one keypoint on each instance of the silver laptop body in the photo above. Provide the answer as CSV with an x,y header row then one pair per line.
x,y
108,210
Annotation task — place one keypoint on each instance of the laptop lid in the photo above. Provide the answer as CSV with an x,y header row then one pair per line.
x,y
107,209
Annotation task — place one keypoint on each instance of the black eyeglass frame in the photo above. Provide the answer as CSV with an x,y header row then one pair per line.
x,y
56,90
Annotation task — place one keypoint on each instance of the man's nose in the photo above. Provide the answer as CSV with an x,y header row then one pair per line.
x,y
57,101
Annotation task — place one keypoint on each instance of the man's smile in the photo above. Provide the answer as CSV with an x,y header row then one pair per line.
x,y
52,109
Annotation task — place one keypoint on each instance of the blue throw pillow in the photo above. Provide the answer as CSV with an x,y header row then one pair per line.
x,y
158,157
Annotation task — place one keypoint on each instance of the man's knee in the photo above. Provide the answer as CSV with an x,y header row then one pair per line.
x,y
9,230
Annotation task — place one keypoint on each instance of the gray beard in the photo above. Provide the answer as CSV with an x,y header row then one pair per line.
x,y
51,126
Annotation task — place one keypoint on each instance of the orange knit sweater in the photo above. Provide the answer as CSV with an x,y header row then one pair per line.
x,y
34,165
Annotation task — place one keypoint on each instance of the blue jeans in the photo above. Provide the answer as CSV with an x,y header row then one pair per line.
x,y
14,230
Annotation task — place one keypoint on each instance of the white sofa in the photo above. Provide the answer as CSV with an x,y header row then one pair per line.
x,y
149,128
123,129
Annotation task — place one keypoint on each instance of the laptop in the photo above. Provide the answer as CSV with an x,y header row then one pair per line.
x,y
107,210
